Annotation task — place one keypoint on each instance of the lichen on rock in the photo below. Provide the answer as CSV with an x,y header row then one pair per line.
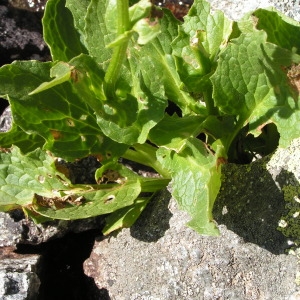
x,y
290,223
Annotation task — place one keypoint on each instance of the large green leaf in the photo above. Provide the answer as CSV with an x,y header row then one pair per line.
x,y
250,82
117,187
129,118
215,26
157,64
59,114
60,34
196,180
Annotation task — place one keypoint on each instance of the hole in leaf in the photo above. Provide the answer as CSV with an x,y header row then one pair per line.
x,y
109,199
173,108
41,178
83,117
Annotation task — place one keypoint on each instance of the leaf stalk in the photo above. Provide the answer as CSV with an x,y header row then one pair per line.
x,y
119,52
145,154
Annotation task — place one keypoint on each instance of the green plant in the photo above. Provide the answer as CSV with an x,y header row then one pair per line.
x,y
114,72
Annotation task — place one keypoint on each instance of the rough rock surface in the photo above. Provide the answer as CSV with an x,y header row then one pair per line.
x,y
20,35
235,9
160,258
18,275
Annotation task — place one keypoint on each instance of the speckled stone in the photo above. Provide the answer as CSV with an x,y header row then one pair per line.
x,y
160,258
235,9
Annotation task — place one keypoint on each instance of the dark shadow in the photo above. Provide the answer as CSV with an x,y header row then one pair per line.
x,y
251,205
61,268
154,220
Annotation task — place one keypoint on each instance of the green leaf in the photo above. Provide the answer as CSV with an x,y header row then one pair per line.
x,y
91,201
100,30
196,180
173,131
147,30
155,61
18,137
59,32
201,37
62,73
281,30
139,10
125,217
250,82
129,120
68,125
215,26
79,10
24,176
114,172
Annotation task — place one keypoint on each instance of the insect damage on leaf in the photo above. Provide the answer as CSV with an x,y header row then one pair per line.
x,y
111,176
58,202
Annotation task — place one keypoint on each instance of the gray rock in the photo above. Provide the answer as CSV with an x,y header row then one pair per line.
x,y
11,231
25,231
161,258
235,9
18,276
5,120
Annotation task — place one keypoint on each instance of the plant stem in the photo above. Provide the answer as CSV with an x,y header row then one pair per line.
x,y
145,154
119,52
239,125
209,101
152,185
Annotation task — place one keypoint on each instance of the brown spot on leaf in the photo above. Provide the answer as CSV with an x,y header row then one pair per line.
x,y
221,161
56,134
5,150
75,75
